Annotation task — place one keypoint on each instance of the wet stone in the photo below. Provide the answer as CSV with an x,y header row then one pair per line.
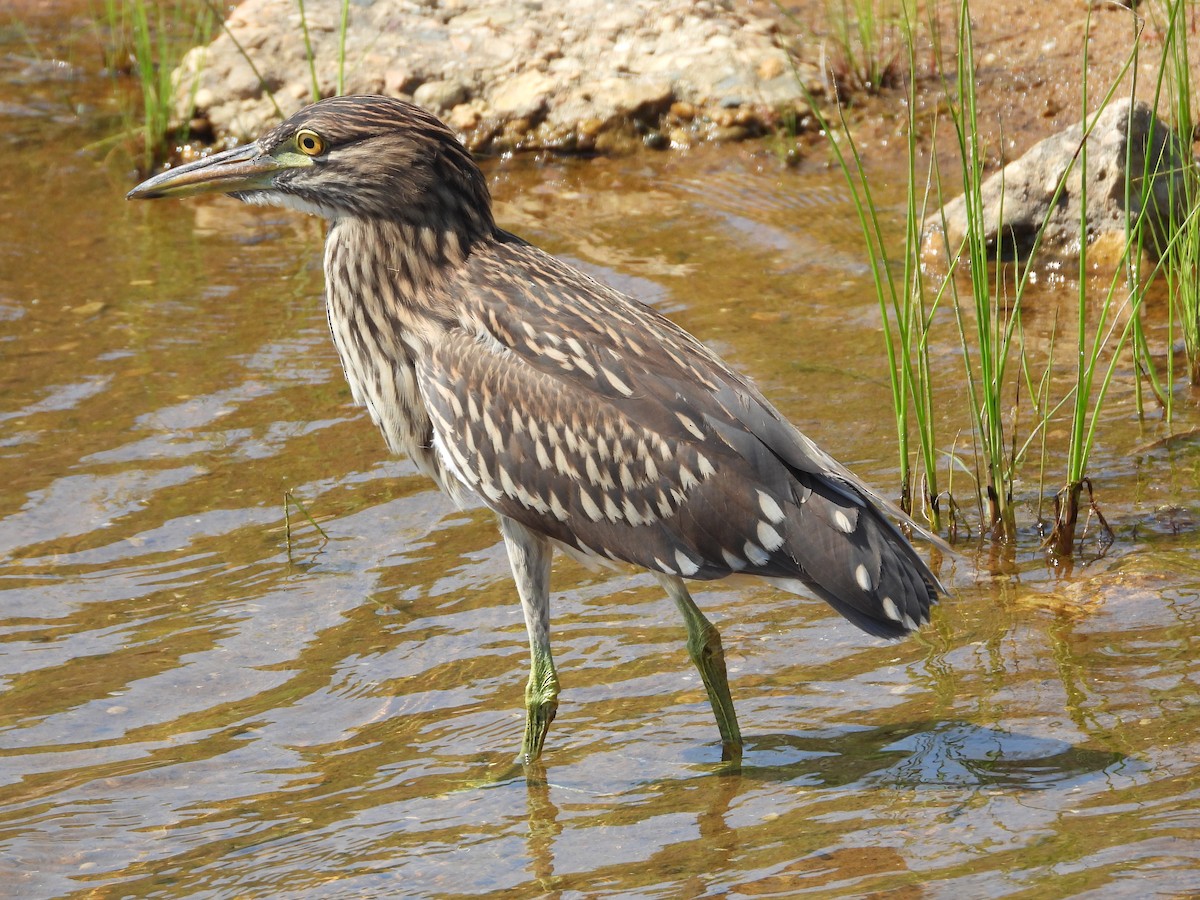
x,y
1126,144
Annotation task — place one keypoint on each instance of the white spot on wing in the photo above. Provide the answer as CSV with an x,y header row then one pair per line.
x,y
734,562
687,566
627,481
506,483
690,425
863,577
770,508
590,507
769,537
534,501
632,513
842,521
889,609
493,432
755,553
617,383
562,465
664,505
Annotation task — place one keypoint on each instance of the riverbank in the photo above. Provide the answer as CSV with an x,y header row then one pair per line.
x,y
580,76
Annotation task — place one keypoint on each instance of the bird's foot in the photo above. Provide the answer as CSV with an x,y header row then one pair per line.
x,y
538,716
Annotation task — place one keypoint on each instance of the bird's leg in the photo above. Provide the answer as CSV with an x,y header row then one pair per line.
x,y
529,555
704,647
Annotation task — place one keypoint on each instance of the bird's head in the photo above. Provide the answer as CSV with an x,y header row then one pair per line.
x,y
368,157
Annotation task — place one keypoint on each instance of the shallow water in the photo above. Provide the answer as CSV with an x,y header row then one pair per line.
x,y
192,708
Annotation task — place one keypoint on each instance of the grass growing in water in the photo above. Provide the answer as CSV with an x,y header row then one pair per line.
x,y
865,36
986,360
1180,258
1000,375
1177,243
904,305
147,39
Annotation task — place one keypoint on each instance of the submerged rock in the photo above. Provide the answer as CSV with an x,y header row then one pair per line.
x,y
1135,169
507,74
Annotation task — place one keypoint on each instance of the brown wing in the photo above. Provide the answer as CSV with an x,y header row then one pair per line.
x,y
591,419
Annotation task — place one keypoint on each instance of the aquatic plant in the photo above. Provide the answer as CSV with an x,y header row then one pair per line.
x,y
1179,258
904,302
147,40
1012,398
868,38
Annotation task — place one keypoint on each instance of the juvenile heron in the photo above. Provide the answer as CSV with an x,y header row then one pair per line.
x,y
582,418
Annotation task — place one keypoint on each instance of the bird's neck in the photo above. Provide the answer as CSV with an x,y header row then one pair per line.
x,y
404,263
386,285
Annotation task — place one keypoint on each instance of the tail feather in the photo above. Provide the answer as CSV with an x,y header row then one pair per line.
x,y
858,562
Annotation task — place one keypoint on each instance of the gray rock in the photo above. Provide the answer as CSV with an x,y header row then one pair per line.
x,y
440,96
1123,148
585,74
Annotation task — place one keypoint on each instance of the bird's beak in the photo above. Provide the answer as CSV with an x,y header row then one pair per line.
x,y
244,168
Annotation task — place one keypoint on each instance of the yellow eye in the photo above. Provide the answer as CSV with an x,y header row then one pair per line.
x,y
310,143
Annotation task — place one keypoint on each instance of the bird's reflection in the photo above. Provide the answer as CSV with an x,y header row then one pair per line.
x,y
934,754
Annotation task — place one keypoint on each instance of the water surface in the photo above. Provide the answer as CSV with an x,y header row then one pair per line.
x,y
190,707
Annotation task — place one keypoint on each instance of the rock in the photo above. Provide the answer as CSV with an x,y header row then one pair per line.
x,y
466,116
440,96
523,97
597,106
1118,150
637,99
574,74
684,112
397,80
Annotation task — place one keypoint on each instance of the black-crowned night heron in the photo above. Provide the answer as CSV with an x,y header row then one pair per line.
x,y
584,419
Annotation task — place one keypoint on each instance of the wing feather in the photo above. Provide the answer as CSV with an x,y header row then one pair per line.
x,y
589,418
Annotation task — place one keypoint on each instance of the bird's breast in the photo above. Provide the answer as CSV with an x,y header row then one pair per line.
x,y
378,342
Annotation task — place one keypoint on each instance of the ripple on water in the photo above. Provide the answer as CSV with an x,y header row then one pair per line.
x,y
192,704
